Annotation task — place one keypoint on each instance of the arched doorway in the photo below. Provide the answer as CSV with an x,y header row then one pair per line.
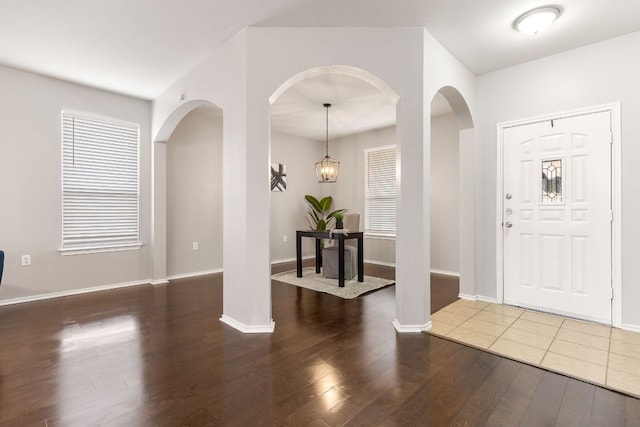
x,y
194,194
187,193
362,117
452,190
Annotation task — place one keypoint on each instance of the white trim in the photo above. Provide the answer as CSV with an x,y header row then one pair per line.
x,y
383,263
282,261
372,235
100,249
445,272
616,195
632,328
160,282
194,274
73,292
100,117
248,329
487,299
411,329
616,205
477,298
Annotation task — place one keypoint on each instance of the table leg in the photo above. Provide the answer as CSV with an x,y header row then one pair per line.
x,y
298,254
360,260
341,263
318,255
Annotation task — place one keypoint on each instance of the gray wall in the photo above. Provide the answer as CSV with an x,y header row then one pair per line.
x,y
349,190
194,193
589,76
288,208
31,191
445,190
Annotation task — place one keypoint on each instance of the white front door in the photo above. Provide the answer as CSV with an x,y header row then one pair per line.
x,y
557,216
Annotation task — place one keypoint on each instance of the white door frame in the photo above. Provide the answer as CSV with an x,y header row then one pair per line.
x,y
616,194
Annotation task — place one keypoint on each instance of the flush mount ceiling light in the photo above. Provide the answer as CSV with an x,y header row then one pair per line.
x,y
537,20
327,168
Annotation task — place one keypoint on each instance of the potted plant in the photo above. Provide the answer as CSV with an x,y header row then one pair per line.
x,y
320,217
339,217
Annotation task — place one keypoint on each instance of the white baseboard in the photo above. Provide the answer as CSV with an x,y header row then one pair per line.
x,y
445,272
73,292
374,262
160,282
632,328
194,274
280,261
248,329
478,298
411,329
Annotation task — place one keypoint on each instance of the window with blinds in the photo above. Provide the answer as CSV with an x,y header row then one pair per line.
x,y
380,191
100,198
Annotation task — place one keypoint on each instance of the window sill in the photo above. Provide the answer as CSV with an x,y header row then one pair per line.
x,y
96,250
379,236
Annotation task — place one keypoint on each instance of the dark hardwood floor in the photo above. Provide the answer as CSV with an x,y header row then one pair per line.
x,y
159,356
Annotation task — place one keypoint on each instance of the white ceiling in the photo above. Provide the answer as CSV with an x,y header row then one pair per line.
x,y
356,106
139,47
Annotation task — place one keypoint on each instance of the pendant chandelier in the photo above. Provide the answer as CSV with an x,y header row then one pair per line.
x,y
327,168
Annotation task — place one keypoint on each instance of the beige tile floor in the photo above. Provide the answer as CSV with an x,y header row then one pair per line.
x,y
587,351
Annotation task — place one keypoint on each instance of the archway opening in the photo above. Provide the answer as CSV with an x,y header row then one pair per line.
x,y
187,194
362,117
194,193
452,194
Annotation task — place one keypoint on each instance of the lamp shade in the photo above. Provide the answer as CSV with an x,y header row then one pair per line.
x,y
327,169
537,20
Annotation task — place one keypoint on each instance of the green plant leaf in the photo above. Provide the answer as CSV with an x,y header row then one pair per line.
x,y
315,216
313,202
325,203
336,212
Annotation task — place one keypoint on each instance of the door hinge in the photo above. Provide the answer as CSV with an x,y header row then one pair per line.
x,y
611,294
610,137
610,216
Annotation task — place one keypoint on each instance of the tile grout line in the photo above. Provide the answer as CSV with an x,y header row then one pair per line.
x,y
553,340
503,332
508,327
606,368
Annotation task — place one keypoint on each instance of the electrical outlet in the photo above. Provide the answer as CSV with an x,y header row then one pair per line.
x,y
195,246
26,260
285,238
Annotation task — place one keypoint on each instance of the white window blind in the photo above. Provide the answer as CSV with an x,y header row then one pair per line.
x,y
100,201
380,191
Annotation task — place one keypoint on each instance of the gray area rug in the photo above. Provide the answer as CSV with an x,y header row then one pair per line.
x,y
311,280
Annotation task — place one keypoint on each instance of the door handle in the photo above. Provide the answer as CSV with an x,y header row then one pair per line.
x,y
508,224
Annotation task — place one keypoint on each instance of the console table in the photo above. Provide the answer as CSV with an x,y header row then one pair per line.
x,y
340,238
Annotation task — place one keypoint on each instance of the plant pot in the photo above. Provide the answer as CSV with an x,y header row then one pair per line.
x,y
339,224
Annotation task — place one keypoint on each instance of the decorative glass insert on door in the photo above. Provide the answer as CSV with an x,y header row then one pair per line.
x,y
552,181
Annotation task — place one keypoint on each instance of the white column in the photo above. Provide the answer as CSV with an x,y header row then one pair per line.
x,y
247,269
413,292
159,215
467,214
